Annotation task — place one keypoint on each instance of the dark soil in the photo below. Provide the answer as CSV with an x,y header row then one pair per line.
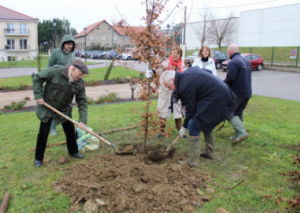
x,y
133,183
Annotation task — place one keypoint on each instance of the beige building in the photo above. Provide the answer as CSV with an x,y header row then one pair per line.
x,y
103,34
18,35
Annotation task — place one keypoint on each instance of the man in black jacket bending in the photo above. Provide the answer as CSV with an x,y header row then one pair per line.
x,y
206,99
238,78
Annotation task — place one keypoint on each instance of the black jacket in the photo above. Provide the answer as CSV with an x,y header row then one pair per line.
x,y
239,76
205,97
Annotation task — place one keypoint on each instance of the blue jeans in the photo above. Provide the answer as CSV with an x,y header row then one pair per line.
x,y
193,131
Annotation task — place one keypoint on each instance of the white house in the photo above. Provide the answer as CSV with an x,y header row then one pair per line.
x,y
18,35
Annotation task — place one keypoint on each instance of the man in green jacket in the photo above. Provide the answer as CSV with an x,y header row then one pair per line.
x,y
62,84
62,56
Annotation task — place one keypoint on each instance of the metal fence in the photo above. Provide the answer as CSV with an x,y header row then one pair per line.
x,y
274,56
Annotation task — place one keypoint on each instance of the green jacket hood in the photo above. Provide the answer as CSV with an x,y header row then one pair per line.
x,y
67,38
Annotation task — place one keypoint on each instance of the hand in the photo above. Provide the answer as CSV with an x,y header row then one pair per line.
x,y
40,101
182,132
81,125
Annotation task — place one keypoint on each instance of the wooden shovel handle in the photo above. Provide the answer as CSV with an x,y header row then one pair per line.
x,y
173,143
4,203
76,123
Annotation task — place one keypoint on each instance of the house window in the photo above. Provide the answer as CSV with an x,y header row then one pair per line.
x,y
103,38
10,44
10,28
11,58
91,37
23,44
115,38
23,28
91,43
107,44
124,38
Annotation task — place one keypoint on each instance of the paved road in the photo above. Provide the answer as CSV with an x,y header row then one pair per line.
x,y
266,83
14,72
274,84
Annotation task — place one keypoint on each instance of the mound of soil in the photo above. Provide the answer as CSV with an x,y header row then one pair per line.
x,y
132,183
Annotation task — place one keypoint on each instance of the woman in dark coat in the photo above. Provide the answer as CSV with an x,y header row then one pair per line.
x,y
206,99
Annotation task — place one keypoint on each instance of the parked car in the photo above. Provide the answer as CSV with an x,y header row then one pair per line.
x,y
256,61
111,54
96,55
127,55
77,53
218,58
102,55
92,53
85,54
190,59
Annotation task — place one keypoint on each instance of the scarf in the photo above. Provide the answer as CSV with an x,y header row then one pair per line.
x,y
173,64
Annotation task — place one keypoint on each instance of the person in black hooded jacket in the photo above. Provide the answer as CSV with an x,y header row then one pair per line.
x,y
206,99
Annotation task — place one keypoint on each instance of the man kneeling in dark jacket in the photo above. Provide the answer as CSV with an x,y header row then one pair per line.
x,y
206,99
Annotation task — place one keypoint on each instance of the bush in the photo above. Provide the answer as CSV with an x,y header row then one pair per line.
x,y
17,105
14,88
92,83
111,97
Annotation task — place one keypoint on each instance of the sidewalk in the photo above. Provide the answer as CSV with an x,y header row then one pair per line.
x,y
123,90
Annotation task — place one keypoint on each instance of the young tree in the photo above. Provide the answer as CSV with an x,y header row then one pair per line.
x,y
150,47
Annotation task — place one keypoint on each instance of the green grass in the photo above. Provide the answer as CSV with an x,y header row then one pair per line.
x,y
95,74
273,124
281,54
28,63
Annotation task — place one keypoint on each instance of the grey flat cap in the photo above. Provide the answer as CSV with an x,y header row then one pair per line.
x,y
80,65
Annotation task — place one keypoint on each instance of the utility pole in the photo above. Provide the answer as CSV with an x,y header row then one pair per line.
x,y
183,45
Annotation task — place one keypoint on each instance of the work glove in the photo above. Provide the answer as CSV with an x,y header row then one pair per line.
x,y
182,132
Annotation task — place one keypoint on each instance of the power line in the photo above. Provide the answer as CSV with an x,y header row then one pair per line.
x,y
204,8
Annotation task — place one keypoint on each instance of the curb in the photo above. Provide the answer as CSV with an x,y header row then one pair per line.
x,y
282,69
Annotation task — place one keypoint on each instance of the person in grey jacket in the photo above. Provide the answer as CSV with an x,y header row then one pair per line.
x,y
238,78
205,61
63,56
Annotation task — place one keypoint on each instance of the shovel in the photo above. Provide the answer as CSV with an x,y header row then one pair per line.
x,y
76,123
161,153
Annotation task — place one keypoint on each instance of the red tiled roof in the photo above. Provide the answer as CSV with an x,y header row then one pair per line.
x,y
119,30
8,14
89,28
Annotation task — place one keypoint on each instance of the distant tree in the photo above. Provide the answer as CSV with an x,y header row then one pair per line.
x,y
201,29
221,30
73,31
46,31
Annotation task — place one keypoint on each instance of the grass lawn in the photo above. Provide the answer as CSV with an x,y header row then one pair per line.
x,y
28,63
95,74
281,54
273,125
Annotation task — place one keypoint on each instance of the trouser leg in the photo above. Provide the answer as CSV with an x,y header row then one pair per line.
x,y
178,123
42,140
70,137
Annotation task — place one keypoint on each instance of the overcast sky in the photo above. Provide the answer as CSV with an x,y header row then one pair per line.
x,y
82,13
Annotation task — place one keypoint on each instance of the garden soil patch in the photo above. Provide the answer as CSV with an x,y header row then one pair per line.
x,y
133,183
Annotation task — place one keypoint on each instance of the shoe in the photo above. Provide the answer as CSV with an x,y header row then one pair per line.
x,y
38,163
233,136
53,129
194,154
53,132
78,155
240,129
